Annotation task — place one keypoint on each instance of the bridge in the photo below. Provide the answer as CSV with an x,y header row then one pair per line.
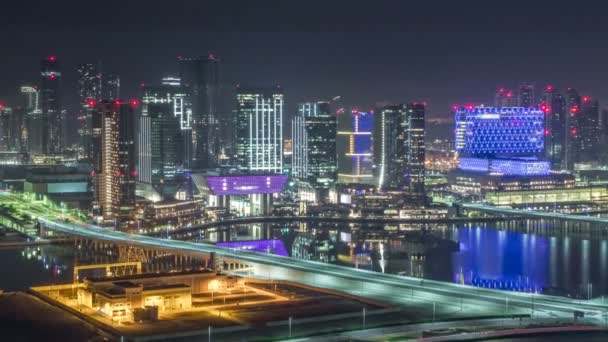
x,y
420,294
534,213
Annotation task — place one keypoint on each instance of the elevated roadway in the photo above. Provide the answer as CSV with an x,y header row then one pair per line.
x,y
394,289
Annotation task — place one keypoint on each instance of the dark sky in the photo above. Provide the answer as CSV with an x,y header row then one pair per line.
x,y
365,51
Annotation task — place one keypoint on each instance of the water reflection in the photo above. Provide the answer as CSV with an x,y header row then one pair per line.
x,y
528,256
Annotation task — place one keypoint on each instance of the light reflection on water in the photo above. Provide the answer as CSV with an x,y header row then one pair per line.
x,y
515,258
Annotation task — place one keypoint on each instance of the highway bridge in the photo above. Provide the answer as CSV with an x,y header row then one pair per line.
x,y
534,213
459,300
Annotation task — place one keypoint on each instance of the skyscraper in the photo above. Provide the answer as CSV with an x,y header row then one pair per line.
x,y
5,128
553,104
525,96
259,128
314,144
389,146
31,136
110,88
354,145
164,133
414,129
504,98
572,134
89,93
114,161
590,131
200,76
52,120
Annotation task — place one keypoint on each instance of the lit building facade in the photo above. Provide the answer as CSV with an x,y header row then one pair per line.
x,y
314,145
259,129
389,159
414,130
164,133
52,116
114,161
31,135
354,145
89,93
500,150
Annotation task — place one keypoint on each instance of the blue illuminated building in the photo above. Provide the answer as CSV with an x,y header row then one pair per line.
x,y
504,141
488,131
500,149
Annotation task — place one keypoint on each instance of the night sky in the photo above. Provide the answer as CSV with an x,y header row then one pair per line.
x,y
367,52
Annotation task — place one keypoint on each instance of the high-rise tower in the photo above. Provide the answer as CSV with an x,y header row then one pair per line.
x,y
52,120
114,161
259,128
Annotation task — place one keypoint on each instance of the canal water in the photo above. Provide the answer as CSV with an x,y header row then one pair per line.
x,y
526,256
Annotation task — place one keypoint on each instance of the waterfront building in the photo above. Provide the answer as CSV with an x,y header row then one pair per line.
x,y
500,149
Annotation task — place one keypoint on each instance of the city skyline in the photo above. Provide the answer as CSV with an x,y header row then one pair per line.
x,y
437,64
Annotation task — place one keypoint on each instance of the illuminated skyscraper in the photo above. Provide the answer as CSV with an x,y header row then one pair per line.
x,y
314,144
389,136
52,120
114,161
414,130
5,128
354,145
201,77
164,133
31,135
525,96
259,128
89,93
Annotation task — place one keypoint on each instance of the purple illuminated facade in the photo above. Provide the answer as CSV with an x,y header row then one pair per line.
x,y
261,246
246,184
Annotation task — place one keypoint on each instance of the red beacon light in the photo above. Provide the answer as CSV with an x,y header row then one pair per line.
x,y
117,102
91,103
549,87
134,103
546,132
52,58
585,98
455,107
52,76
574,109
469,107
574,131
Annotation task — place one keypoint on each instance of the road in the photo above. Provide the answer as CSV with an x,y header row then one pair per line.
x,y
535,214
449,298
